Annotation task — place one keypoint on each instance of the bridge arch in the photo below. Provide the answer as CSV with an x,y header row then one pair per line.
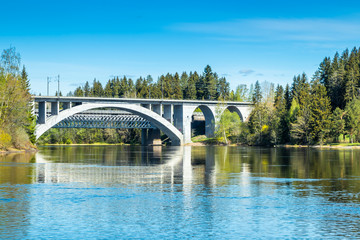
x,y
235,109
209,116
171,131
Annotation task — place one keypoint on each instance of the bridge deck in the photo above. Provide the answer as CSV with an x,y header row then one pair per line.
x,y
133,100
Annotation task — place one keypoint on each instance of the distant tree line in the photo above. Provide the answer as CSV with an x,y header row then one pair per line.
x,y
207,86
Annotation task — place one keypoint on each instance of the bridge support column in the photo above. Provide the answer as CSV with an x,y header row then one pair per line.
x,y
42,113
150,137
66,105
182,121
144,137
55,108
157,108
168,112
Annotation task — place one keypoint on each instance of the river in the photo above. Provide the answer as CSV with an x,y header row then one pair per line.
x,y
122,192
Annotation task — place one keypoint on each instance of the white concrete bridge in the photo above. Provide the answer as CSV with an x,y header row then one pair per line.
x,y
172,117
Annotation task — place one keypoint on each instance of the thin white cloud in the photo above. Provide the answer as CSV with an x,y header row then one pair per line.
x,y
308,30
246,72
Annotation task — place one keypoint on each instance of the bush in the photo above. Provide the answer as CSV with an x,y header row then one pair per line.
x,y
5,139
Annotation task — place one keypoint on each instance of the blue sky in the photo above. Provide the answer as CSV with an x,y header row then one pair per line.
x,y
244,41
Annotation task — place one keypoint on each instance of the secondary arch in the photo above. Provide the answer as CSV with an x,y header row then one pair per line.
x,y
235,109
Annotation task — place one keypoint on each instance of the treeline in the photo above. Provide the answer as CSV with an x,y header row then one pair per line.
x,y
325,109
206,86
17,123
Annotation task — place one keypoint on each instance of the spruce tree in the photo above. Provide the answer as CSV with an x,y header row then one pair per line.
x,y
320,113
257,96
176,86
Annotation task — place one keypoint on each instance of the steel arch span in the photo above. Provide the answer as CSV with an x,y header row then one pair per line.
x,y
158,121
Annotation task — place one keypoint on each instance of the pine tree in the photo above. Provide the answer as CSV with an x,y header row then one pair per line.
x,y
320,113
257,96
177,92
223,89
337,124
108,91
190,90
25,82
87,89
352,118
287,97
184,80
210,82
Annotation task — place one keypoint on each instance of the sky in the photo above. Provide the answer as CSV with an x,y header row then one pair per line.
x,y
244,41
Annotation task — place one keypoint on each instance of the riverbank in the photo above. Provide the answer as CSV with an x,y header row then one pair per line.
x,y
204,141
14,150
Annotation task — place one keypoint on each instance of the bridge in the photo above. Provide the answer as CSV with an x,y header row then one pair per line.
x,y
172,117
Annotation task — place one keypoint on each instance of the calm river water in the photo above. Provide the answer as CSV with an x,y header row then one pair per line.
x,y
122,192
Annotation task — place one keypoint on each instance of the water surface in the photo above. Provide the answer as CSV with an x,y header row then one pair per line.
x,y
106,192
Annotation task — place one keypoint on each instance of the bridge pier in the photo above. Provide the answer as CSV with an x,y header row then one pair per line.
x,y
150,136
168,112
66,105
55,108
42,113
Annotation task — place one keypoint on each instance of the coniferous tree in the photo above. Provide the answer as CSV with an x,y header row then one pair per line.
x,y
176,86
320,113
87,89
287,97
337,124
190,90
352,119
210,81
223,89
108,90
257,96
184,80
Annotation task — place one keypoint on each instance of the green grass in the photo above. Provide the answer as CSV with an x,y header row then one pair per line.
x,y
204,139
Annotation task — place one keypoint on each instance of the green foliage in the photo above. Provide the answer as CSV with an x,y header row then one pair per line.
x,y
352,119
228,124
337,124
15,111
256,95
5,139
320,113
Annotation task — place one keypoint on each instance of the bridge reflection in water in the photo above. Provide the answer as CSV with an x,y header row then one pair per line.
x,y
147,167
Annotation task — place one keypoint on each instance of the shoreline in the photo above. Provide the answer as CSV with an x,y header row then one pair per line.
x,y
193,144
11,151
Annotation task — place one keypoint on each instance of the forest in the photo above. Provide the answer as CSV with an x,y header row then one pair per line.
x,y
318,110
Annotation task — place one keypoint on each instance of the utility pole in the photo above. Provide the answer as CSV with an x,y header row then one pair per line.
x,y
58,77
48,80
48,84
